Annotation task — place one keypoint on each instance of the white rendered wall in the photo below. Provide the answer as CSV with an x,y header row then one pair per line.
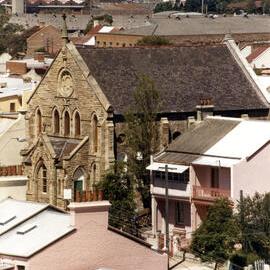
x,y
16,192
246,51
17,6
253,175
262,61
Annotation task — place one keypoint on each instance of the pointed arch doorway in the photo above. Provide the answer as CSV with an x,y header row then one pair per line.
x,y
79,184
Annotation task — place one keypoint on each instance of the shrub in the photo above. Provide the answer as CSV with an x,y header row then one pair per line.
x,y
153,41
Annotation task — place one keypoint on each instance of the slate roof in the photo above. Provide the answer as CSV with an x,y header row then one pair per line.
x,y
183,76
63,146
197,141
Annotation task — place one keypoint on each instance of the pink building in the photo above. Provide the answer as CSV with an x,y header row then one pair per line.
x,y
216,158
37,236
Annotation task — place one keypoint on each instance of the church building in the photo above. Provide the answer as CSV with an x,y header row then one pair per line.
x,y
75,115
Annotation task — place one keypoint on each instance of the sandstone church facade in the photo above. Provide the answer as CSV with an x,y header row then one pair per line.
x,y
70,129
75,115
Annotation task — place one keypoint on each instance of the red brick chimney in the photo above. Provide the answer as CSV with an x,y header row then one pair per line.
x,y
39,56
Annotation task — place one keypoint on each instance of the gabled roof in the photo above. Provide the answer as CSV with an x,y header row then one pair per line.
x,y
59,148
63,147
182,75
15,212
32,228
218,140
42,29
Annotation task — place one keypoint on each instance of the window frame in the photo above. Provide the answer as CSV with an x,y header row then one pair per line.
x,y
180,213
44,178
66,124
56,126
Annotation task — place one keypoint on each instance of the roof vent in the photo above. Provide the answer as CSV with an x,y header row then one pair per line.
x,y
6,219
27,228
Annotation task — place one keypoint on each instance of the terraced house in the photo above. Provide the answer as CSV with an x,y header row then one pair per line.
x,y
217,158
75,117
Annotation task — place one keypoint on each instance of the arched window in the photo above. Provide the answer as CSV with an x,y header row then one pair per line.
x,y
94,174
66,124
56,122
38,122
77,124
95,133
42,175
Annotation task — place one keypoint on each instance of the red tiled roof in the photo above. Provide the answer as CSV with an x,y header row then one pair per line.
x,y
80,40
256,53
94,30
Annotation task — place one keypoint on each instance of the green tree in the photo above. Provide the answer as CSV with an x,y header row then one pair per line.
x,y
193,5
117,186
254,221
163,6
153,41
142,134
88,27
214,240
266,6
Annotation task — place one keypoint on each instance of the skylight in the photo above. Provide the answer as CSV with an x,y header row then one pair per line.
x,y
4,219
26,228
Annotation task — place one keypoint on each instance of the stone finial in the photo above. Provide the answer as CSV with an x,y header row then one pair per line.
x,y
228,37
64,30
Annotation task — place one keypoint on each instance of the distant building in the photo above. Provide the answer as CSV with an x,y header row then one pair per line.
x,y
39,63
259,58
116,40
13,181
47,39
4,57
38,236
14,92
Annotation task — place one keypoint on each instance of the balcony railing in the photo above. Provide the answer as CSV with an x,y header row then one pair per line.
x,y
208,193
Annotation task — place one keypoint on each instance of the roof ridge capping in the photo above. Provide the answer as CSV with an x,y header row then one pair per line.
x,y
218,117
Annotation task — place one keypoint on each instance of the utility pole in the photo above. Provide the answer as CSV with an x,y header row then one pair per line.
x,y
202,6
167,168
167,214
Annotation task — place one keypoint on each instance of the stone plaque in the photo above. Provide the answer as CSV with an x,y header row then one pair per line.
x,y
66,84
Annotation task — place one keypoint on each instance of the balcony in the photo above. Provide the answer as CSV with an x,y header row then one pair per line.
x,y
175,188
209,194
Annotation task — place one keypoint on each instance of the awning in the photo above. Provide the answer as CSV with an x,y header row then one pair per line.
x,y
216,161
156,166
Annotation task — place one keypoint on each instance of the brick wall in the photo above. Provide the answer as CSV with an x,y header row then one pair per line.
x,y
48,38
18,68
116,40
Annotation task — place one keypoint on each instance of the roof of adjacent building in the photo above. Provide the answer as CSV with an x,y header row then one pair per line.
x,y
182,75
14,212
30,226
217,139
256,53
199,25
12,140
